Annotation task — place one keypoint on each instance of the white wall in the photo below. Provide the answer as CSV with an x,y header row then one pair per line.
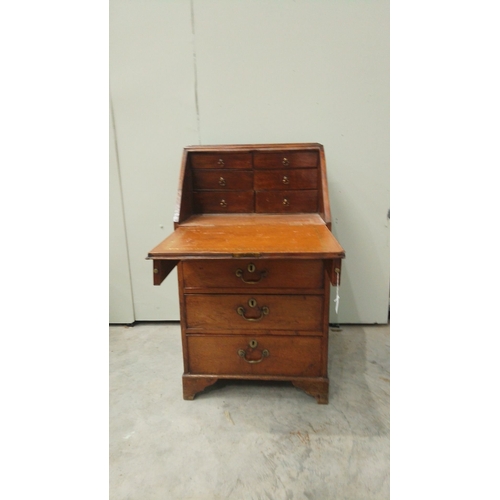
x,y
229,71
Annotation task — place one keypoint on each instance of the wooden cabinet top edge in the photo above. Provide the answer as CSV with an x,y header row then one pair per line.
x,y
254,147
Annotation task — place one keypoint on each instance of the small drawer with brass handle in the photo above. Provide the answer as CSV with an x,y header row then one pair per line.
x,y
216,179
299,178
288,160
217,160
300,201
223,201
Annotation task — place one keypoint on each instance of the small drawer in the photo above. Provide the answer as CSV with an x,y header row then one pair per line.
x,y
254,312
222,179
254,355
253,274
221,160
305,201
214,202
286,159
300,178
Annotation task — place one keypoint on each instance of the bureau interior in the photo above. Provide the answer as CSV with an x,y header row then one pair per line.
x,y
249,180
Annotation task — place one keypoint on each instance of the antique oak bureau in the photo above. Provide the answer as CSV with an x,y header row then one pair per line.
x,y
255,257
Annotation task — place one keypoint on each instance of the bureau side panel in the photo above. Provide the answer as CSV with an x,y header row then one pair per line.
x,y
182,307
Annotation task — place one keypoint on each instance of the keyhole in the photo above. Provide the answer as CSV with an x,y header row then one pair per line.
x,y
252,302
253,344
251,268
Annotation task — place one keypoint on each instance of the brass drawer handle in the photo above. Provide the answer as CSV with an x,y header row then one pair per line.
x,y
239,274
223,203
242,354
286,180
220,162
222,181
286,162
264,311
253,344
286,203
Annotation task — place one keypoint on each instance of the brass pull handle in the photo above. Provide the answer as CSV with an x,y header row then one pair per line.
x,y
286,202
264,311
286,162
286,180
242,354
223,203
222,181
220,162
239,273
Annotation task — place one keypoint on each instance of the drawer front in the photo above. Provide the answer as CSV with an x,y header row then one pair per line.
x,y
300,178
231,355
223,201
253,274
254,312
221,179
286,159
305,201
221,160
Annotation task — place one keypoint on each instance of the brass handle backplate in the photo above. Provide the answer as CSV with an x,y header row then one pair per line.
x,y
223,203
286,203
250,269
222,181
264,311
253,344
286,180
220,162
286,162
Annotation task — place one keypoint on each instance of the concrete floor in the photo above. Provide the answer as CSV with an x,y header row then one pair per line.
x,y
247,440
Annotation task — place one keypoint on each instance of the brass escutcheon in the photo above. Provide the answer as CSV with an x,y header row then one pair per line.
x,y
286,180
253,344
286,203
222,181
285,162
252,302
251,268
220,162
223,203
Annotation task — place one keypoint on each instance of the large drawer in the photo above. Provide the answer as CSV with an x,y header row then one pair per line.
x,y
224,201
221,160
299,178
286,159
253,274
254,312
220,179
300,201
233,355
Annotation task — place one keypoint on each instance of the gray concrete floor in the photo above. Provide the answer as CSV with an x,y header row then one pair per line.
x,y
247,440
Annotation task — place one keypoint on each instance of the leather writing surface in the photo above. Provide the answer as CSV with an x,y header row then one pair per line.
x,y
266,240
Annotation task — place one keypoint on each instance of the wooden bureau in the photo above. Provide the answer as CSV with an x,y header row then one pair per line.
x,y
255,257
